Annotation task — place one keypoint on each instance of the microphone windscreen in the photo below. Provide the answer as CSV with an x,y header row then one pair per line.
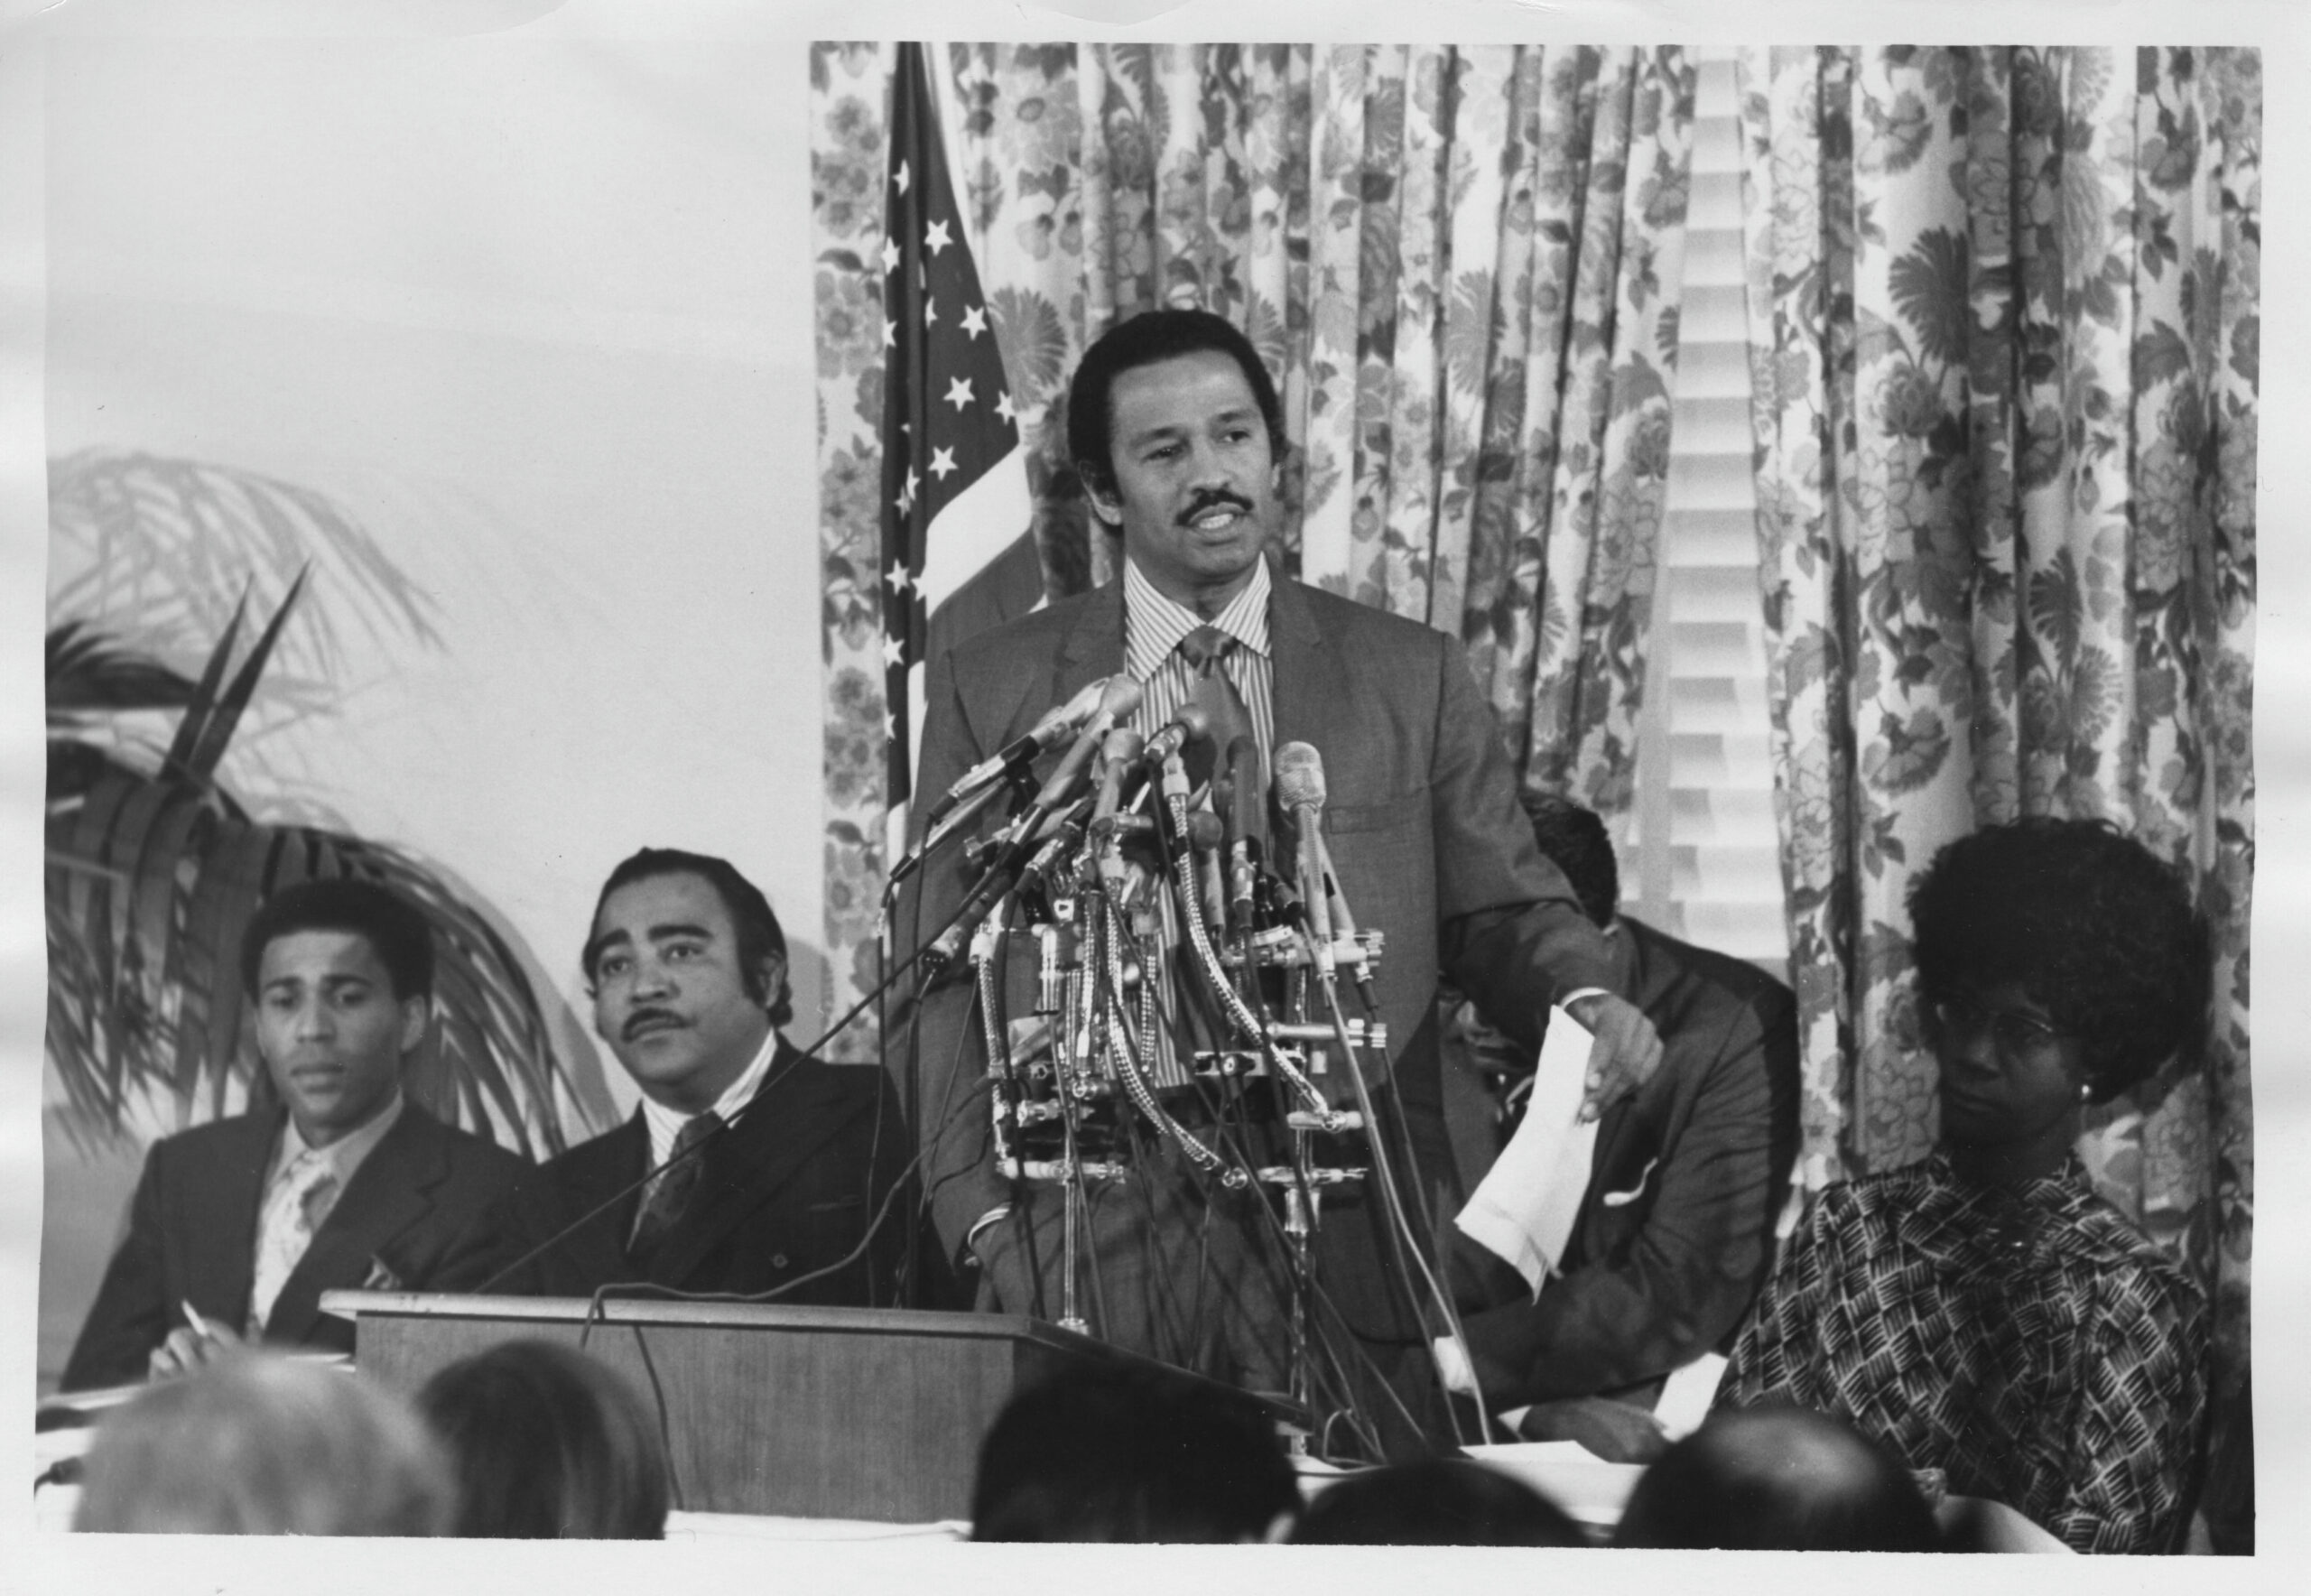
x,y
1299,776
1120,700
1204,830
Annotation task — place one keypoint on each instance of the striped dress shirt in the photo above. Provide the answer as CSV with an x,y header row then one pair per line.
x,y
1153,626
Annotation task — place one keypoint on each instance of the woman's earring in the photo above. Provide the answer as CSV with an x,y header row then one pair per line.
x,y
2086,1092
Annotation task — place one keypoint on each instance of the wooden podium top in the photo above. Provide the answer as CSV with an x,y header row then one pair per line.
x,y
735,1315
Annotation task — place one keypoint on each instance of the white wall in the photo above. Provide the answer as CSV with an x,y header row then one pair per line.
x,y
536,312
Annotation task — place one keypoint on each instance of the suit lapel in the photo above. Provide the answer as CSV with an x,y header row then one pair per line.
x,y
391,1190
1094,645
1310,698
590,1176
219,1222
782,1128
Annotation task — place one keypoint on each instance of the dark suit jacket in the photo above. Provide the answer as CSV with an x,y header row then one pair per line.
x,y
1674,1232
788,1189
1425,835
410,1216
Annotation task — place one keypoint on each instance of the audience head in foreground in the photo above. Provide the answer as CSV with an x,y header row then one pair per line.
x,y
548,1444
1435,1502
257,1443
1777,1480
1114,1454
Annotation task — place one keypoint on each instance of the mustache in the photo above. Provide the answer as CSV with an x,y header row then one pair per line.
x,y
642,1017
1214,498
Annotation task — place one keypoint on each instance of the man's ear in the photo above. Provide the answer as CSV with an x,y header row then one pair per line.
x,y
1105,504
769,971
414,1013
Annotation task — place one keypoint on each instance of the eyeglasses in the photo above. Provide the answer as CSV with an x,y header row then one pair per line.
x,y
2016,1035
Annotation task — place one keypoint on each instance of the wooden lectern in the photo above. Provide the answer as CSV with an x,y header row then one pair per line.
x,y
813,1413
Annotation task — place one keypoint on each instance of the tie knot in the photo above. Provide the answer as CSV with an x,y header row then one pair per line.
x,y
696,1129
1205,648
308,1169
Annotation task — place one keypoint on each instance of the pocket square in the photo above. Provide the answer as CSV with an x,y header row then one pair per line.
x,y
1623,1199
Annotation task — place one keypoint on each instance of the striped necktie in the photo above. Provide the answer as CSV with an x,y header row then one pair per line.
x,y
669,1197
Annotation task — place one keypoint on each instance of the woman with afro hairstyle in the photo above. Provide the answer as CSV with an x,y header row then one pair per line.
x,y
1984,1312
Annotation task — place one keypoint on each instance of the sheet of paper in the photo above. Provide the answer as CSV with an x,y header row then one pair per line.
x,y
1524,1210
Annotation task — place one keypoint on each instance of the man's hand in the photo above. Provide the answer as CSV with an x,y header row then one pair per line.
x,y
1000,1262
1624,1050
188,1348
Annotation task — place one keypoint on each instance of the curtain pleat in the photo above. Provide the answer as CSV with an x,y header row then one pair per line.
x,y
2003,358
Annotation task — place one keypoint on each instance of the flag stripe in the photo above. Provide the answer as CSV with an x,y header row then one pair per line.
x,y
947,415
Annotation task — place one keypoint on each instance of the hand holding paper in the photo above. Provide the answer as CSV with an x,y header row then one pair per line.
x,y
1524,1210
1626,1052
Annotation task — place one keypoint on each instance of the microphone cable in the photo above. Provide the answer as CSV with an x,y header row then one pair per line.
x,y
697,1146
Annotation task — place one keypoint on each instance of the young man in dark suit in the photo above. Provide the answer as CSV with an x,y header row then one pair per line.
x,y
1674,1232
776,1164
238,1227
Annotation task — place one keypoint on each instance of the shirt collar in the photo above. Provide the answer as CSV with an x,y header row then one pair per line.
x,y
345,1154
665,1124
1154,622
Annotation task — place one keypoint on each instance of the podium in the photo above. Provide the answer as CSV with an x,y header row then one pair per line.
x,y
795,1412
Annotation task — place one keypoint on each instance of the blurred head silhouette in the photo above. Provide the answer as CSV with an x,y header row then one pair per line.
x,y
1435,1503
1777,1480
1116,1454
550,1444
257,1443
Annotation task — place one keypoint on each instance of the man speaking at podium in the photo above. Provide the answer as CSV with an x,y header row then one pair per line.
x,y
1178,435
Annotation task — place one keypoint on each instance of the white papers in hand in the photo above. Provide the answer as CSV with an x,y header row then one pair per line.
x,y
1524,1210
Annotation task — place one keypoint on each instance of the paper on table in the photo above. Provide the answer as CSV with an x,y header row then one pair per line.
x,y
1525,1208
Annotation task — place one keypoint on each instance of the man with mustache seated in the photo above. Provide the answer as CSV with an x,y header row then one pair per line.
x,y
770,1166
240,1225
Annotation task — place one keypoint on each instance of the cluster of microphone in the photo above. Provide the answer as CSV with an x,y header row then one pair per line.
x,y
1101,788
1182,981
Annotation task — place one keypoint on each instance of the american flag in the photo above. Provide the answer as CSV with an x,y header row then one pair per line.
x,y
957,513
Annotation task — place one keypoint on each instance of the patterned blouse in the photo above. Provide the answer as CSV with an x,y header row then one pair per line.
x,y
2031,1343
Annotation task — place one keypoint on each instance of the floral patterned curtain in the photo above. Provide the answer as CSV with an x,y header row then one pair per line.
x,y
1462,265
2003,332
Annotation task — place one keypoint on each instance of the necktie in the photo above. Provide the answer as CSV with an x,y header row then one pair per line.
x,y
285,1228
675,1188
1206,649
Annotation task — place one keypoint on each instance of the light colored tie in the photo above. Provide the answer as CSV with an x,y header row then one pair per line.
x,y
285,1228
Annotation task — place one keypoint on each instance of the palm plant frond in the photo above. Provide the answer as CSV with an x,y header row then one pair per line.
x,y
152,878
88,674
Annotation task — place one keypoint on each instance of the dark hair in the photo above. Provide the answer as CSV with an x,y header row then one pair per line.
x,y
1779,1480
389,922
1118,1454
1435,1502
751,920
1150,336
2094,928
550,1444
1573,839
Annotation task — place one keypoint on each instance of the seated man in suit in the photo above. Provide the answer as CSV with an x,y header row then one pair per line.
x,y
238,1226
1673,1234
767,1168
